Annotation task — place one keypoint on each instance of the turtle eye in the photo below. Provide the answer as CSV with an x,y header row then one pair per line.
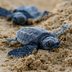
x,y
49,43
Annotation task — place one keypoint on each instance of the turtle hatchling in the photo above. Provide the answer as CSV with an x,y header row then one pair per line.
x,y
34,38
22,14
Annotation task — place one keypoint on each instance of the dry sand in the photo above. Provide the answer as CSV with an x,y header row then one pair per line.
x,y
59,60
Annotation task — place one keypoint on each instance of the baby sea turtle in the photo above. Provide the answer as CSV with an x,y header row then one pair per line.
x,y
21,14
34,38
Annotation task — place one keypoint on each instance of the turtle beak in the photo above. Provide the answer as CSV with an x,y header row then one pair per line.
x,y
56,45
19,18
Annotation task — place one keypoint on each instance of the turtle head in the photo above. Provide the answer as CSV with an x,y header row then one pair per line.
x,y
19,18
50,43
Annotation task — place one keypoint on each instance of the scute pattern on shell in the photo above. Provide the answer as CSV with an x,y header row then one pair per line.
x,y
29,34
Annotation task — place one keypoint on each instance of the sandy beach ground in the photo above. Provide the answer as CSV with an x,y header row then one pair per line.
x,y
59,60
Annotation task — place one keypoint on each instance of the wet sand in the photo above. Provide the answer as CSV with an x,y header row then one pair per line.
x,y
59,60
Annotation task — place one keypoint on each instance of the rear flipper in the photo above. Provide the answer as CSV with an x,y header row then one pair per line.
x,y
43,16
4,12
24,51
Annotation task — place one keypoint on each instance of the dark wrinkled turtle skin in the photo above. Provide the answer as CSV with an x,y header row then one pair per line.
x,y
21,14
33,38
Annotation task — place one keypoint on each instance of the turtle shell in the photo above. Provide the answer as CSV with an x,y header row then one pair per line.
x,y
31,34
28,11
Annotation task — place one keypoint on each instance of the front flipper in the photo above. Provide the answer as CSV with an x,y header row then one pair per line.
x,y
4,12
24,51
61,30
